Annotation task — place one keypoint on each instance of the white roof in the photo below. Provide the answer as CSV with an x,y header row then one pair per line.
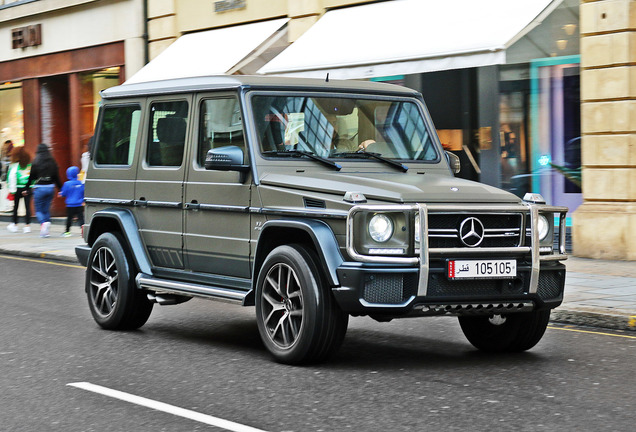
x,y
409,36
210,52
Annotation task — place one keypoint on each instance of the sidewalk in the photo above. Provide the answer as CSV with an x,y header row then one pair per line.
x,y
598,293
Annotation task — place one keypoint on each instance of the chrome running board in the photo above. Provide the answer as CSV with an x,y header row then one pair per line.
x,y
165,286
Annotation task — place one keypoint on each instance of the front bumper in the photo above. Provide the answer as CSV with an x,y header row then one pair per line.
x,y
393,291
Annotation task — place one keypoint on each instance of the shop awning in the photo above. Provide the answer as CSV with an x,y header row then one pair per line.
x,y
214,52
409,36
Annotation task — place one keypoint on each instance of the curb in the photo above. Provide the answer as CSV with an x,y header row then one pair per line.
x,y
40,255
594,318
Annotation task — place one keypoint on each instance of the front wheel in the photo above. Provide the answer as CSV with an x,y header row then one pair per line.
x,y
505,333
113,299
298,318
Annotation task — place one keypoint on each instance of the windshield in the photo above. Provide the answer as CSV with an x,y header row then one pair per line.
x,y
342,127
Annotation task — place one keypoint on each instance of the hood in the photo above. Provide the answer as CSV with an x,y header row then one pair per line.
x,y
72,172
398,188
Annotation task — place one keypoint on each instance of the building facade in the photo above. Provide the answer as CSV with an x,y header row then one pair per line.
x,y
605,225
56,57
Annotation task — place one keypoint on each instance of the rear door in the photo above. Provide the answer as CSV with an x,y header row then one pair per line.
x,y
217,218
159,185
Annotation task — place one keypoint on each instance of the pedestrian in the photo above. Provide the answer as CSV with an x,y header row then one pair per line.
x,y
73,192
44,178
17,179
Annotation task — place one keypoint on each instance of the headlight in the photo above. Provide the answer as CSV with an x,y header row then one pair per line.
x,y
543,227
380,228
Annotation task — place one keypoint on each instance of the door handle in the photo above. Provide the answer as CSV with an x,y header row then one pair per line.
x,y
142,202
192,205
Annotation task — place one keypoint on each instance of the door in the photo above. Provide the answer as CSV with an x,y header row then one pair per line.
x,y
159,185
217,218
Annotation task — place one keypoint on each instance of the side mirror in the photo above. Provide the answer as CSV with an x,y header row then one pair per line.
x,y
227,158
454,162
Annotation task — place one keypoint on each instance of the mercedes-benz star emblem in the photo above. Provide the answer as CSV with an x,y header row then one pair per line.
x,y
471,232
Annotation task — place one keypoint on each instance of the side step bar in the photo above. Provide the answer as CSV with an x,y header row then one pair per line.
x,y
165,286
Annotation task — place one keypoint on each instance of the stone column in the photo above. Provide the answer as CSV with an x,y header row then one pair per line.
x,y
604,227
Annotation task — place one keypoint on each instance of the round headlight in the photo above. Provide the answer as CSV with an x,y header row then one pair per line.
x,y
543,227
380,228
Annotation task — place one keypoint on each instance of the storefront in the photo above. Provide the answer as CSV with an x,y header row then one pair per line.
x,y
51,72
505,98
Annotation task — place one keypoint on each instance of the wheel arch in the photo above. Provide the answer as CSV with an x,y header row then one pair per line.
x,y
313,233
123,222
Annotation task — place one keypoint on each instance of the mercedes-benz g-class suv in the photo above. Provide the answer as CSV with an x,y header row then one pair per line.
x,y
312,201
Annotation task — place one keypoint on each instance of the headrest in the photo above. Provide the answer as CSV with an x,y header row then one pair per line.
x,y
171,129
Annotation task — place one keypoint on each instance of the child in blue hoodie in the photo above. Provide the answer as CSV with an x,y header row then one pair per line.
x,y
73,191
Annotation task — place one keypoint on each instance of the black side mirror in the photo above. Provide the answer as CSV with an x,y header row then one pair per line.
x,y
227,158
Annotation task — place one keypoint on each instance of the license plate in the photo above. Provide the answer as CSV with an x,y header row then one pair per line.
x,y
482,269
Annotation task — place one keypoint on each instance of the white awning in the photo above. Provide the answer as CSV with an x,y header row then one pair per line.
x,y
212,52
409,36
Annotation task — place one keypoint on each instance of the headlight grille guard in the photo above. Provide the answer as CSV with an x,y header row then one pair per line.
x,y
529,210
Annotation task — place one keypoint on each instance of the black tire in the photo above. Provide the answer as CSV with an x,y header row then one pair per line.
x,y
506,333
114,301
297,315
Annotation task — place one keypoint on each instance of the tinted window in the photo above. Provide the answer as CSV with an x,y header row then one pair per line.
x,y
166,140
118,135
220,124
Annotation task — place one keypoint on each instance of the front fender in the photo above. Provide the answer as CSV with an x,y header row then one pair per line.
x,y
322,237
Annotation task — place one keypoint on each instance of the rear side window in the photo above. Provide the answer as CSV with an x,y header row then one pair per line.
x,y
118,135
166,140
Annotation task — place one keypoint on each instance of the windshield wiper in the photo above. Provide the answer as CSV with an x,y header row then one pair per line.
x,y
310,155
376,156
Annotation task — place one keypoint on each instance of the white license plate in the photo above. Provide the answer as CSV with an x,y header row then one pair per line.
x,y
482,269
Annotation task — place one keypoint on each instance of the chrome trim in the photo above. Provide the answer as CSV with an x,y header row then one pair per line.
x,y
224,208
165,204
521,250
109,201
422,286
172,287
534,272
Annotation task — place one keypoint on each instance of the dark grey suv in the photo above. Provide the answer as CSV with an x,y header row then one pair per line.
x,y
312,201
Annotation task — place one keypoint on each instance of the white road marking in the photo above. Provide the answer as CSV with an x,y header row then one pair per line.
x,y
160,406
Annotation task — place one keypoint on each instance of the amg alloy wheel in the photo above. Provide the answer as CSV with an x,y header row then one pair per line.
x,y
114,301
297,316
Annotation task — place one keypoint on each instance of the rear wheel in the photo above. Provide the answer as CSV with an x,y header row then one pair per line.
x,y
113,299
298,318
505,333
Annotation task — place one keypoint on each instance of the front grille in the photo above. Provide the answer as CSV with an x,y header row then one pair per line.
x,y
440,286
389,288
500,229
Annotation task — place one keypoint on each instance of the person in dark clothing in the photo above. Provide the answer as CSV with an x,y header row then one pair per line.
x,y
44,178
73,191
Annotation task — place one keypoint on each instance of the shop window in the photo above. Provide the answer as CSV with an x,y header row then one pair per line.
x,y
11,113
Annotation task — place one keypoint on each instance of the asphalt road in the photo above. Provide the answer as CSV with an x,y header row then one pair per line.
x,y
201,363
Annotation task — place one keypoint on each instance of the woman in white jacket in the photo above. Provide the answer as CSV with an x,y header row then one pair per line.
x,y
17,179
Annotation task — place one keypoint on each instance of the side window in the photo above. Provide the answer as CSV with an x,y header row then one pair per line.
x,y
166,140
220,124
118,135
